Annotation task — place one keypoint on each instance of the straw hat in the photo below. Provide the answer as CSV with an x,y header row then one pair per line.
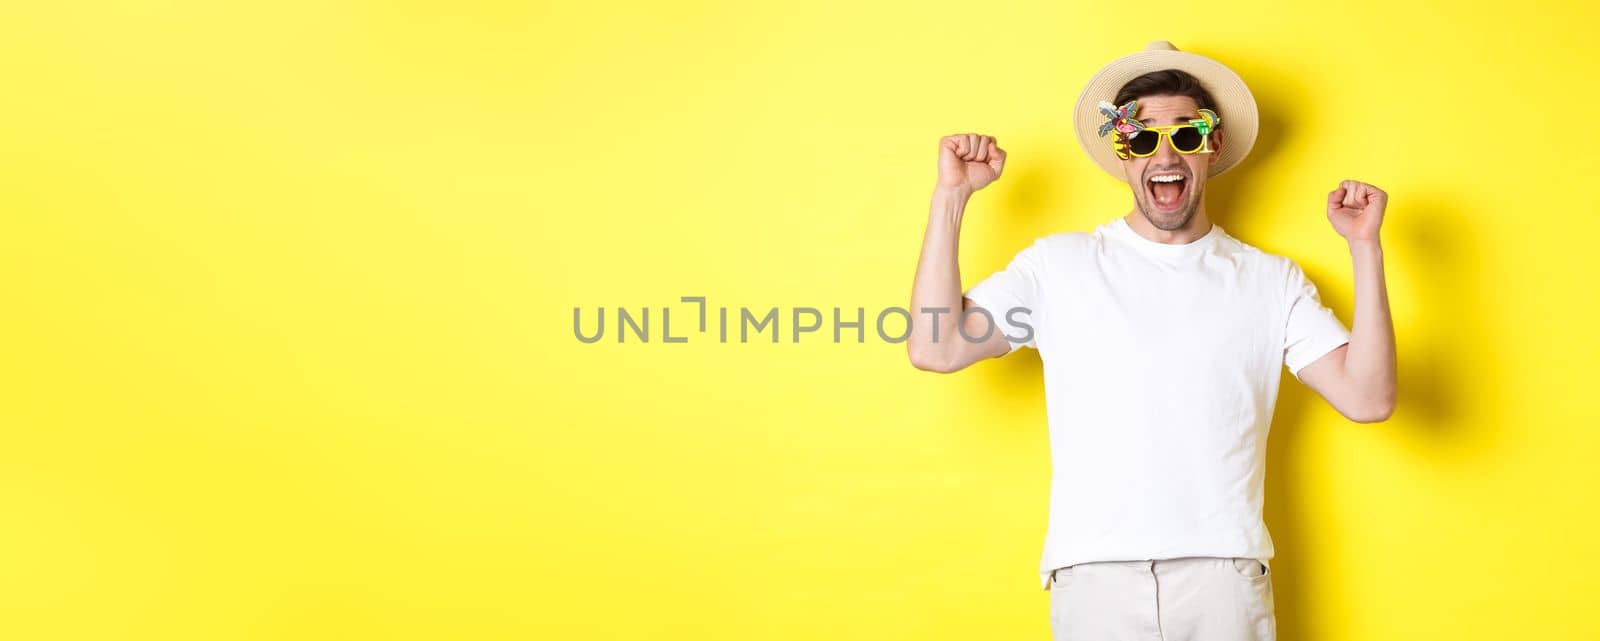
x,y
1235,107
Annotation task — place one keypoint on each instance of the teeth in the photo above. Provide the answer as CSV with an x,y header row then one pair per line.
x,y
1166,179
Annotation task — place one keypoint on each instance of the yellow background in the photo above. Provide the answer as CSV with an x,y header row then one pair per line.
x,y
288,294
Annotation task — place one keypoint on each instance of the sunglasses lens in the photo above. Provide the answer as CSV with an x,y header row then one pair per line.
x,y
1144,143
1187,139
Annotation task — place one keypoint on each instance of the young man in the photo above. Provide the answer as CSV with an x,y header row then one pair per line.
x,y
1162,339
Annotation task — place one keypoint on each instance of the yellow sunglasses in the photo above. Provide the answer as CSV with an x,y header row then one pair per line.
x,y
1193,137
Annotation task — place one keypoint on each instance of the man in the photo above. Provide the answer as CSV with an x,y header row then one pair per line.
x,y
1162,339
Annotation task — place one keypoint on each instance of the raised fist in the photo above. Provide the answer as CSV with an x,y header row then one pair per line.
x,y
1356,210
969,161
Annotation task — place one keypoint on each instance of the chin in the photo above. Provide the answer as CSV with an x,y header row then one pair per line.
x,y
1169,221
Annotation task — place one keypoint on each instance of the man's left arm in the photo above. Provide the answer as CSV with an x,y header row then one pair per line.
x,y
1358,379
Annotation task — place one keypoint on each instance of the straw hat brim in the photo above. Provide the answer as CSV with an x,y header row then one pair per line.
x,y
1236,107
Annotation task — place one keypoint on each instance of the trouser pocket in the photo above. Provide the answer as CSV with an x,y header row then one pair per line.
x,y
1255,586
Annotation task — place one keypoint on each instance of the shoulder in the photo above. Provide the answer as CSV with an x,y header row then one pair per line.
x,y
1052,253
1063,244
1254,257
1271,272
1065,253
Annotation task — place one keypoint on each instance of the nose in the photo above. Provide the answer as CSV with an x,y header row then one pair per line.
x,y
1166,155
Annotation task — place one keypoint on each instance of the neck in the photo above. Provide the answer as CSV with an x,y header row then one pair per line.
x,y
1198,226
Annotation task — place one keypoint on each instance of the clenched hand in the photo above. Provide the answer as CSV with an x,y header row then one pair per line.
x,y
969,162
1356,210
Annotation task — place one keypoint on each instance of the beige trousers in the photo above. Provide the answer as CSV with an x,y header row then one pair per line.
x,y
1188,599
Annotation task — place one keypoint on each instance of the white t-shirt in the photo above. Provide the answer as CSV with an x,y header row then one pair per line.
x,y
1161,370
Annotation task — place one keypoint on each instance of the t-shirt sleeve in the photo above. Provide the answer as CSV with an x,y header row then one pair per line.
x,y
1011,295
1311,330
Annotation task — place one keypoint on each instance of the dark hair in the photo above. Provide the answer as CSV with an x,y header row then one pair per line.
x,y
1166,82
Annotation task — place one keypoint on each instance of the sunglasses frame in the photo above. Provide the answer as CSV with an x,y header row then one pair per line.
x,y
1164,131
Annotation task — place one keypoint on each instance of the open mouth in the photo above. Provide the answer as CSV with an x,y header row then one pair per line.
x,y
1167,190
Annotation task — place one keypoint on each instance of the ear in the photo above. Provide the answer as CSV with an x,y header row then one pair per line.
x,y
1216,146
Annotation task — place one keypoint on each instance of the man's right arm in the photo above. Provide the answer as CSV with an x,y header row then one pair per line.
x,y
967,163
